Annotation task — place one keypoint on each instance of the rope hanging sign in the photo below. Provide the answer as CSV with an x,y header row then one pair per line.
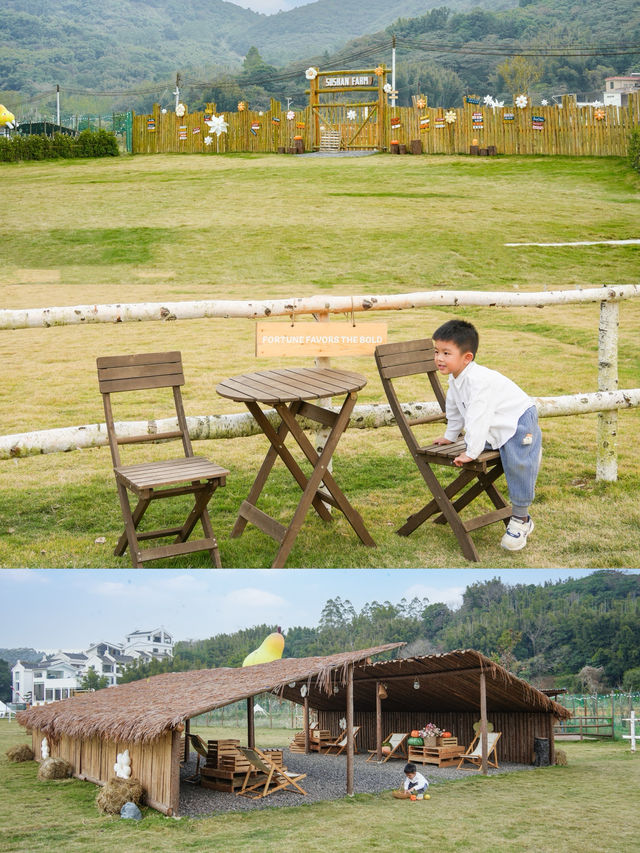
x,y
318,339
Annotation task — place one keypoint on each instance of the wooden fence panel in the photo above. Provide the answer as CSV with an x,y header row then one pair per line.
x,y
566,129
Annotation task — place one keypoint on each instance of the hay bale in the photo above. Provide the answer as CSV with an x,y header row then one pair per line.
x,y
561,758
23,752
55,768
116,793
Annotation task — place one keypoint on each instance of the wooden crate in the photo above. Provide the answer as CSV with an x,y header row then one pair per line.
x,y
442,756
447,741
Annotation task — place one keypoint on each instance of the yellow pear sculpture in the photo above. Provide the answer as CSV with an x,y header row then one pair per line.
x,y
6,117
270,649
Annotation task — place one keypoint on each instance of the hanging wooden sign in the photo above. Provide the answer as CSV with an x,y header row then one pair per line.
x,y
312,338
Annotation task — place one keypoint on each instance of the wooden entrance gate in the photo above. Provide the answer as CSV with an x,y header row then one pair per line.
x,y
341,116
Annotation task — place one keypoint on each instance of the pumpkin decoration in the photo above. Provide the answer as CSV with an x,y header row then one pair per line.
x,y
446,734
386,748
415,733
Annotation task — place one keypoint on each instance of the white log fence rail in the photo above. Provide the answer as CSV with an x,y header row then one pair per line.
x,y
606,401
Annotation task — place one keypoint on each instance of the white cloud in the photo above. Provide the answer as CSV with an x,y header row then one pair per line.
x,y
254,597
449,595
23,576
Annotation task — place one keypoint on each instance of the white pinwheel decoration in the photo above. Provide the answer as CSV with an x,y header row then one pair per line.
x,y
544,102
311,73
488,99
208,140
217,125
450,116
291,115
387,88
351,115
342,723
522,101
180,110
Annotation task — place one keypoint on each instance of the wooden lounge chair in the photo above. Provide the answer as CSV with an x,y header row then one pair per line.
x,y
340,743
166,478
202,752
271,778
398,742
474,753
411,358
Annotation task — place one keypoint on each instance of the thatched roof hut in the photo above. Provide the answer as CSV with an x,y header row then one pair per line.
x,y
453,690
148,717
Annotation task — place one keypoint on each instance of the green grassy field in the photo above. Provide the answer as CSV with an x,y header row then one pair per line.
x,y
247,227
589,804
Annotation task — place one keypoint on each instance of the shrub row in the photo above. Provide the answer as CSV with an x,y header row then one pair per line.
x,y
86,144
634,149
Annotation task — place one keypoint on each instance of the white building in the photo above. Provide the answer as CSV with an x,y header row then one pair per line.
x,y
60,675
617,89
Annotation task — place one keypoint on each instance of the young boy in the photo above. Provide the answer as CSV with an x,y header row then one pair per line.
x,y
494,412
415,785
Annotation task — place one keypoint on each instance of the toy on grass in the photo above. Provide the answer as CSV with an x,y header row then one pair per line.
x,y
270,649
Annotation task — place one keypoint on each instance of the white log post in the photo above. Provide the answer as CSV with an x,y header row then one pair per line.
x,y
607,434
322,433
632,736
203,427
33,318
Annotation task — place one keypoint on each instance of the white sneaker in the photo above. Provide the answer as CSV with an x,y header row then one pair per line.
x,y
515,537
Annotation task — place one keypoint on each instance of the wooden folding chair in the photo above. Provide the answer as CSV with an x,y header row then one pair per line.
x,y
340,743
398,743
417,357
166,478
272,778
473,755
202,751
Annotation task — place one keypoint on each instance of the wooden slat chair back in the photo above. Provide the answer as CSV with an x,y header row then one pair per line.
x,y
473,755
330,140
340,743
411,358
201,750
165,478
398,744
271,779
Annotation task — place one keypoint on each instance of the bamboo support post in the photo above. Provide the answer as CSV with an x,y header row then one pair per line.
x,y
483,722
607,459
350,730
305,725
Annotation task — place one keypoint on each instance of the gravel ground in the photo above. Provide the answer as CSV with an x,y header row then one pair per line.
x,y
326,780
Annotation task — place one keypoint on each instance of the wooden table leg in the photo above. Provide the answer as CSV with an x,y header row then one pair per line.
x,y
352,515
319,472
276,439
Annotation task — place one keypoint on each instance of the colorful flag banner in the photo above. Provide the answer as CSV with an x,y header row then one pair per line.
x,y
509,117
439,122
196,130
182,131
424,123
537,122
151,125
300,125
275,120
395,122
477,121
471,99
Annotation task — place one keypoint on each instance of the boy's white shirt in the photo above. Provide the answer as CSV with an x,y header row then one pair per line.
x,y
486,405
418,781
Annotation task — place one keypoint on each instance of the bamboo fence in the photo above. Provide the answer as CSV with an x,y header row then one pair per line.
x,y
566,129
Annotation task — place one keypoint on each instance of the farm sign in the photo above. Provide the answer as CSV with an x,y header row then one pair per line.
x,y
318,339
350,80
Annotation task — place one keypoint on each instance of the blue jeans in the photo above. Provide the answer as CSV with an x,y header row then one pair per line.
x,y
521,458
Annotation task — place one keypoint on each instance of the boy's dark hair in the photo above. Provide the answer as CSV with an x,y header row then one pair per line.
x,y
409,768
463,334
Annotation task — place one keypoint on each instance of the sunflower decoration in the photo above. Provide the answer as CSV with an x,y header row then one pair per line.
x,y
421,103
450,116
241,106
379,71
522,101
599,114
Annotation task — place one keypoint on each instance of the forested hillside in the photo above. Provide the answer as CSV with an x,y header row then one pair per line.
x,y
126,44
546,634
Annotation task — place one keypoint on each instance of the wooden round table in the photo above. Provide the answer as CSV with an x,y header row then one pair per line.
x,y
289,391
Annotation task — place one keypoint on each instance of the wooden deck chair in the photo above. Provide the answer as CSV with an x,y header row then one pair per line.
x,y
271,778
166,478
411,358
474,753
202,751
398,743
340,743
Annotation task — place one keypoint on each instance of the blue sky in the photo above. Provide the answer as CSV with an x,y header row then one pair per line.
x,y
53,608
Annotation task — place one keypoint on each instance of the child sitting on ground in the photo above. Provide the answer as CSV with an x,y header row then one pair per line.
x,y
415,785
494,413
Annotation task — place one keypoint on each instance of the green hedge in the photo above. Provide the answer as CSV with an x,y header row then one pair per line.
x,y
634,149
86,144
